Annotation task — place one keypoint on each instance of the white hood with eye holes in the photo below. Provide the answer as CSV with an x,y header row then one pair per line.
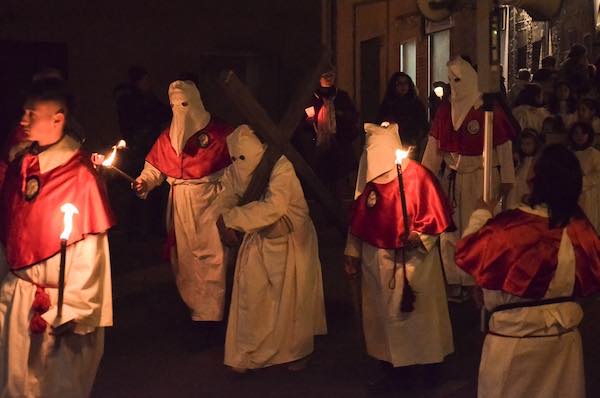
x,y
189,115
379,154
465,90
246,152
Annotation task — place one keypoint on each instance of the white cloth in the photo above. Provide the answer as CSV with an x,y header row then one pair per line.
x,y
467,190
422,336
520,189
30,364
189,114
379,155
199,259
531,117
246,152
525,366
465,90
277,303
589,159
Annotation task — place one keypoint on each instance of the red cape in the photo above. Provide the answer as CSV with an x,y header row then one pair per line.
x,y
204,153
517,252
468,140
381,224
30,229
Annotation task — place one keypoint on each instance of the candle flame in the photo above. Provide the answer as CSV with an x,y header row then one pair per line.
x,y
69,210
310,112
400,156
111,158
439,91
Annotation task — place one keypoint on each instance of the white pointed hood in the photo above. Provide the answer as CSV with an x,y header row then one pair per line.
x,y
379,154
465,90
189,114
246,152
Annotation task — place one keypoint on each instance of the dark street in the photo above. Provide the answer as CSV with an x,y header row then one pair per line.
x,y
154,351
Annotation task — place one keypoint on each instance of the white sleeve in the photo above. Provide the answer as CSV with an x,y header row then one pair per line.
x,y
259,214
227,198
152,176
88,292
505,159
432,157
477,220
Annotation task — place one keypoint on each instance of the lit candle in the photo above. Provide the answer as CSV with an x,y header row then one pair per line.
x,y
108,162
69,210
400,156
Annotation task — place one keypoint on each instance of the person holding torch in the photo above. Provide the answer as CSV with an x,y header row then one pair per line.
x,y
55,289
191,155
398,213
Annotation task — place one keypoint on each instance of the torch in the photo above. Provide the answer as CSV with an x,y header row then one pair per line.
x,y
408,295
69,210
108,162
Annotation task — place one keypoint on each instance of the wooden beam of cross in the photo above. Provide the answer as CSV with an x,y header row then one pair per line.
x,y
279,135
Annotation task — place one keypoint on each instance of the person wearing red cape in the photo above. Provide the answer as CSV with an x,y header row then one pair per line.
x,y
191,155
532,263
401,329
456,140
42,354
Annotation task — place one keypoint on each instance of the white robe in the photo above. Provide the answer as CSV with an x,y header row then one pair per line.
x,y
277,303
589,159
30,364
533,367
198,259
468,189
521,188
423,336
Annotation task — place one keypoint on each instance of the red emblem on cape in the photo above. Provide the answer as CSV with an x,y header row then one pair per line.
x,y
377,213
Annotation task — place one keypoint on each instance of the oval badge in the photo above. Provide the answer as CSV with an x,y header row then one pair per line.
x,y
372,199
473,127
32,188
203,140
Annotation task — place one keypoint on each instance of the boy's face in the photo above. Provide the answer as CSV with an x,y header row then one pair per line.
x,y
42,121
580,137
528,145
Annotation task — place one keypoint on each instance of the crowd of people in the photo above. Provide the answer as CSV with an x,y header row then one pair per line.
x,y
419,232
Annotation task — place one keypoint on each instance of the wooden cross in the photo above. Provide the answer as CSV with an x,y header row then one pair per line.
x,y
280,135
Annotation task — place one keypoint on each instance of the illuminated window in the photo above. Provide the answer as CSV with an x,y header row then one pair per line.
x,y
408,59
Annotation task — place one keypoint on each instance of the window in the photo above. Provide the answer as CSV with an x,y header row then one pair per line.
x,y
439,55
408,59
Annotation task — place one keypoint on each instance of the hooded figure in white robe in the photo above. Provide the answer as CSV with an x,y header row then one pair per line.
x,y
423,335
191,155
277,304
456,138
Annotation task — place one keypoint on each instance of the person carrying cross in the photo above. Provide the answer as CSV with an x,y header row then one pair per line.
x,y
277,304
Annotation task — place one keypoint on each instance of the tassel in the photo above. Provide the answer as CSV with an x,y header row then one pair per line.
x,y
407,302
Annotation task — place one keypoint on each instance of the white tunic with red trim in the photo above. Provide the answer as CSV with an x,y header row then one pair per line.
x,y
195,251
31,365
462,151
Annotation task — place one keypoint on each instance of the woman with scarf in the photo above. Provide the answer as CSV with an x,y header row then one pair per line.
x,y
335,124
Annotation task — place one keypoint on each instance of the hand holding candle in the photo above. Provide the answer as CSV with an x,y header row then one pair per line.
x,y
108,161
